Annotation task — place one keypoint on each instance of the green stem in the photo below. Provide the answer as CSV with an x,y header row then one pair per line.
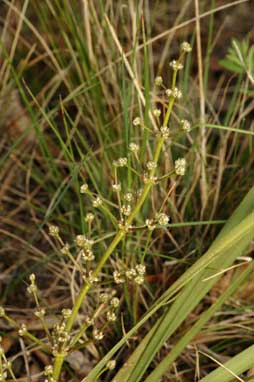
x,y
58,366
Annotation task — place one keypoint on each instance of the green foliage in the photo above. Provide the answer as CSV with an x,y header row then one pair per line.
x,y
240,57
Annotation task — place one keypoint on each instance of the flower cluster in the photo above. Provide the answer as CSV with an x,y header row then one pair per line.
x,y
120,162
158,81
137,274
162,219
97,202
32,288
180,166
61,338
48,372
133,147
136,121
176,65
54,231
186,126
84,188
85,246
175,93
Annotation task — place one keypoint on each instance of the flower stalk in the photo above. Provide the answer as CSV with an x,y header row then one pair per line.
x,y
120,235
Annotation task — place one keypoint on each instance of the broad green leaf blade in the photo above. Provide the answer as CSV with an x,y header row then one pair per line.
x,y
236,365
164,365
230,244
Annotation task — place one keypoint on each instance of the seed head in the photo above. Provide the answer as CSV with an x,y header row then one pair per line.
x,y
157,113
83,242
121,162
136,121
186,126
89,321
164,132
126,209
149,179
66,313
118,278
22,331
111,364
92,278
84,188
176,93
116,187
150,224
65,249
158,81
134,147
168,92
141,269
87,254
139,279
115,302
97,202
162,219
180,166
48,370
186,47
98,335
2,311
104,297
128,197
111,316
151,165
53,230
175,65
89,217
131,273
40,313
